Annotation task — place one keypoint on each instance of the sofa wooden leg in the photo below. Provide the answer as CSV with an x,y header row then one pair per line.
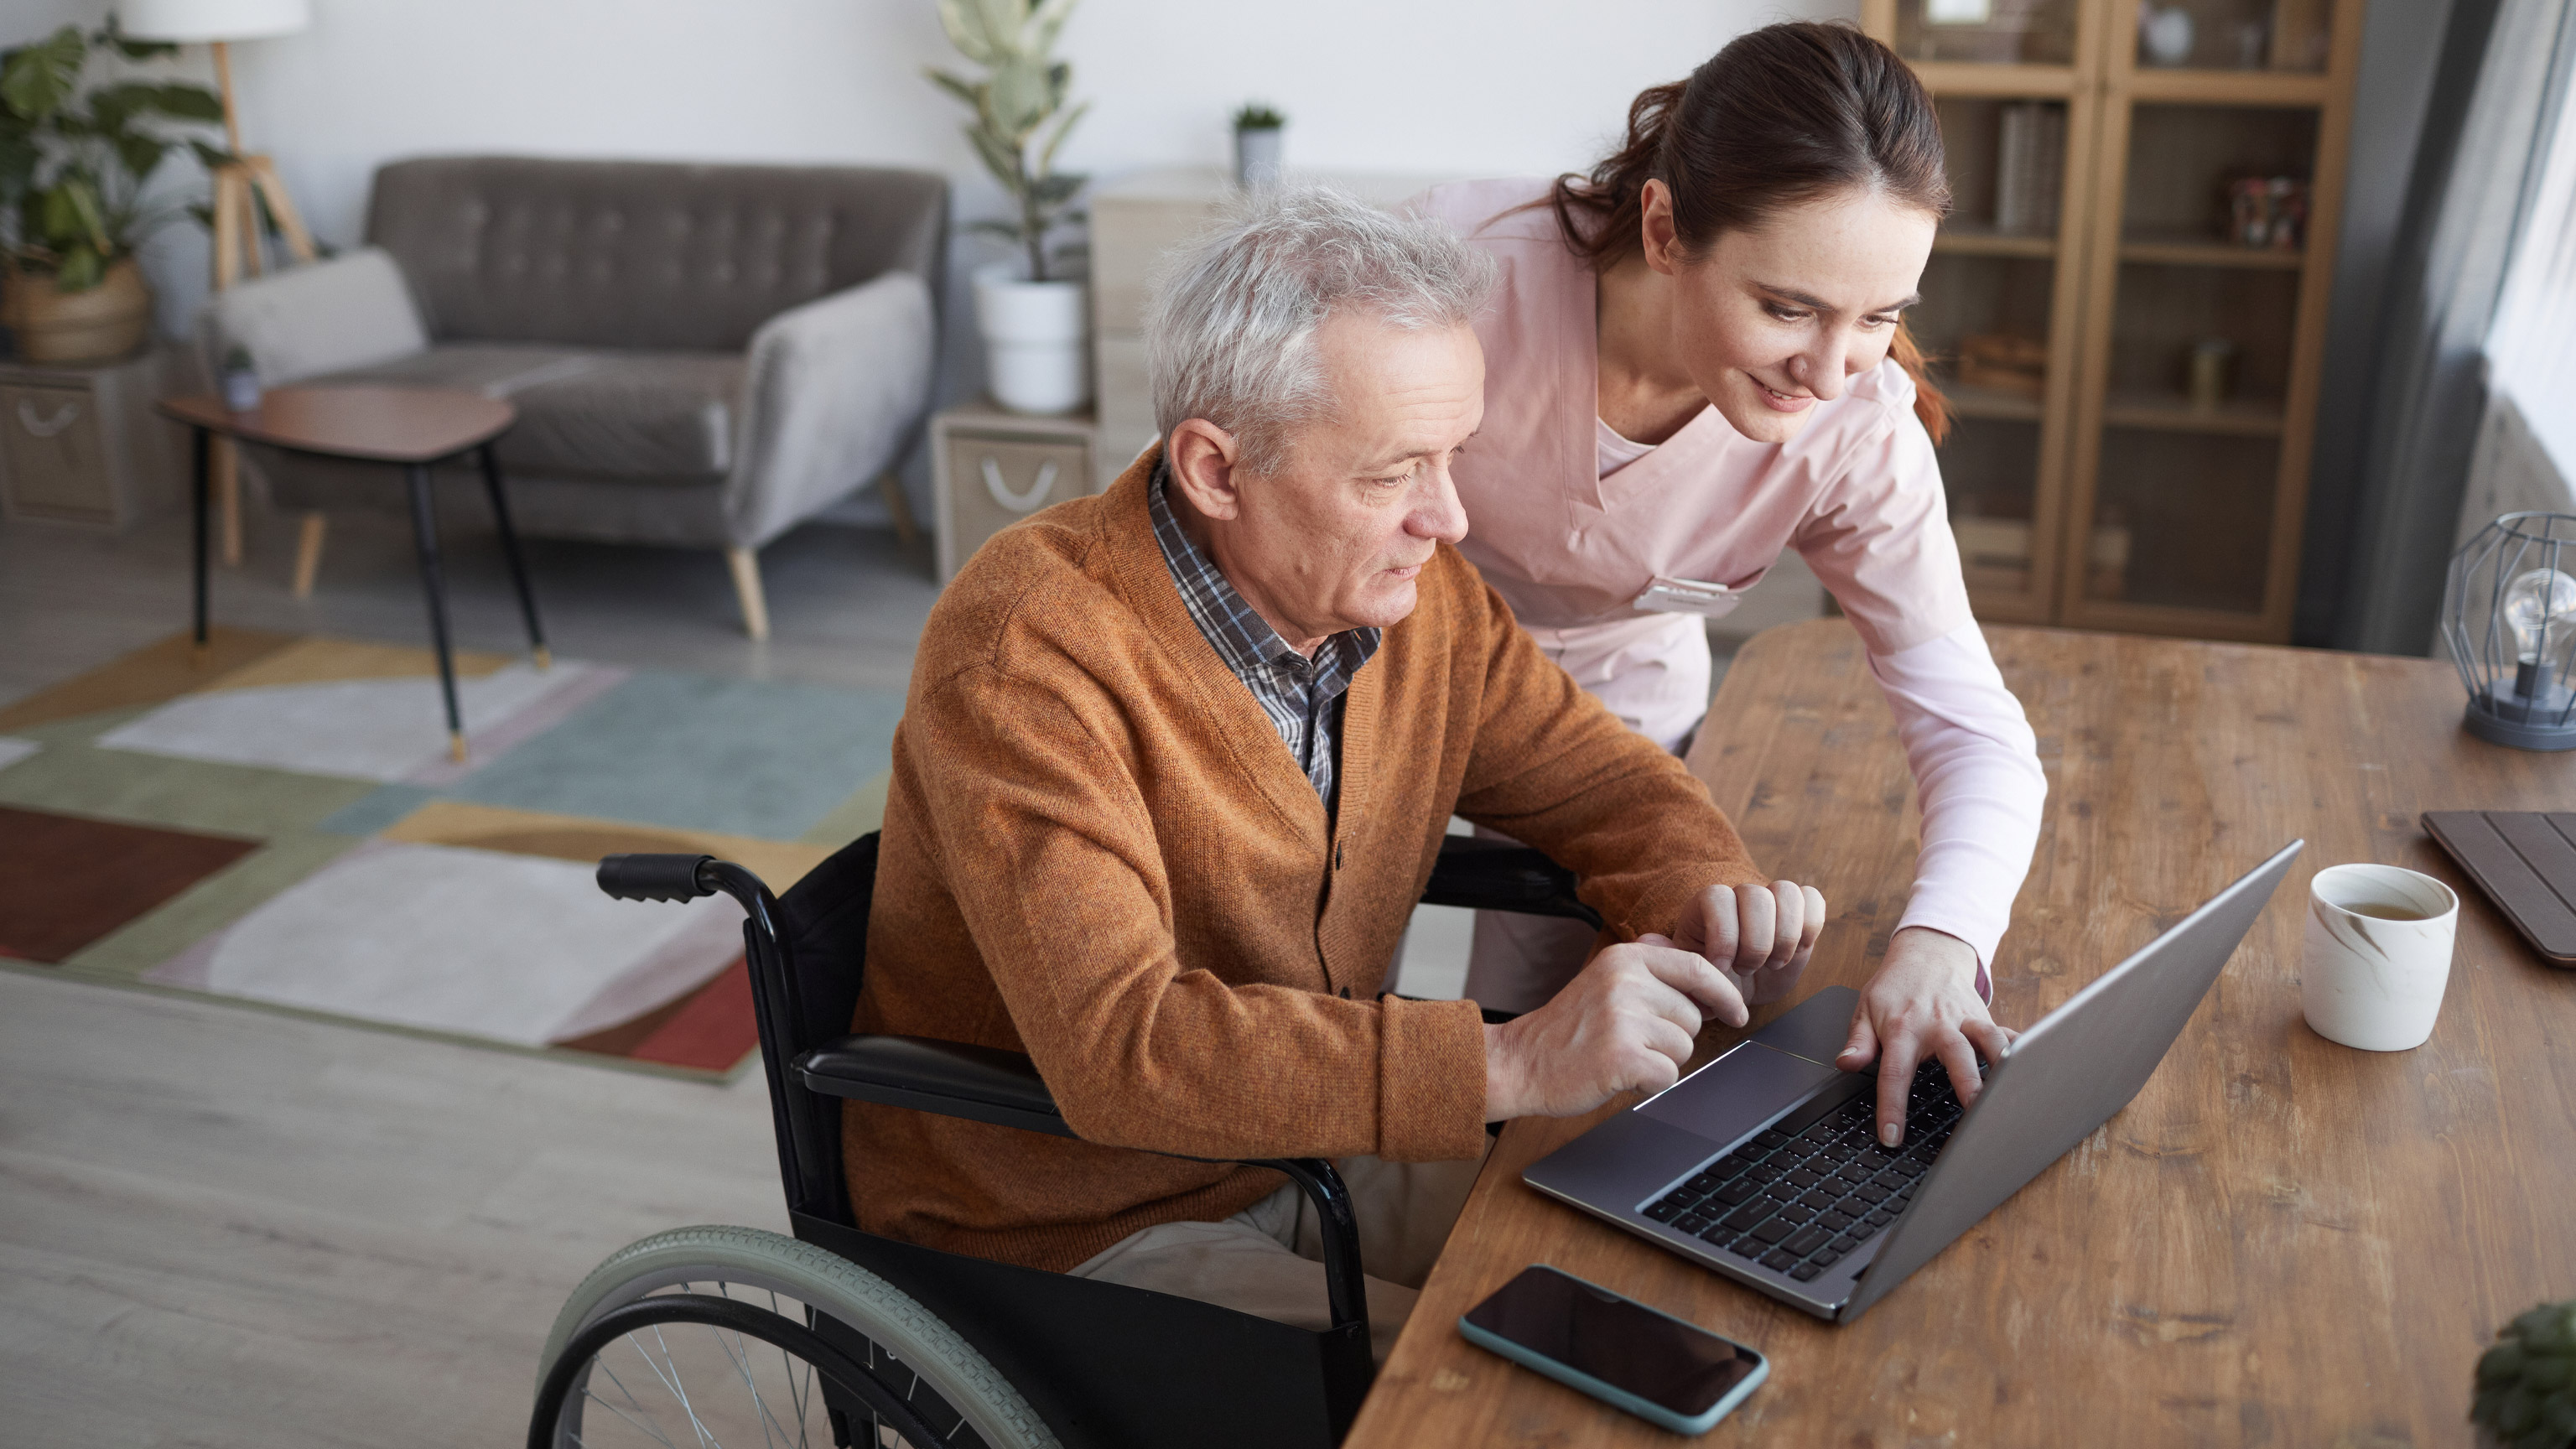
x,y
308,553
898,507
746,586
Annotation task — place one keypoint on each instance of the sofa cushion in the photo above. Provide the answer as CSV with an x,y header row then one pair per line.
x,y
643,254
658,417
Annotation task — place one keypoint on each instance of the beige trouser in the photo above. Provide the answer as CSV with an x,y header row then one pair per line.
x,y
1267,1260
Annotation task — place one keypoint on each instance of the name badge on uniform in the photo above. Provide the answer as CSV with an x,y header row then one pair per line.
x,y
1688,596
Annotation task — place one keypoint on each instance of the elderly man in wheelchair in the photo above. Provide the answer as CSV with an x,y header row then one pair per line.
x,y
1098,1123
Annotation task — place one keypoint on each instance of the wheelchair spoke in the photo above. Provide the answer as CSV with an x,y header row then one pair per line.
x,y
671,1381
657,1434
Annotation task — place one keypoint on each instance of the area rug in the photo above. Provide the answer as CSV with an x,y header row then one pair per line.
x,y
276,822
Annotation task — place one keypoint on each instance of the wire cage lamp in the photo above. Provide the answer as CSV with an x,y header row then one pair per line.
x,y
2509,615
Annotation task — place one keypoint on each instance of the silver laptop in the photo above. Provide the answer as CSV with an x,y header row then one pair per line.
x,y
1764,1164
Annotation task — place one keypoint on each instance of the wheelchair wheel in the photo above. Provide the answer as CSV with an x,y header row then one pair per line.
x,y
729,1335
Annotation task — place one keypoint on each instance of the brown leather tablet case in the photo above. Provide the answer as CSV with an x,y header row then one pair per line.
x,y
2525,860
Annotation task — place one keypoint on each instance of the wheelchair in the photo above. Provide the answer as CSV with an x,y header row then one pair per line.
x,y
732,1335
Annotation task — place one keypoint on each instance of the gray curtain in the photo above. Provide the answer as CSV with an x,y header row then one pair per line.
x,y
2500,75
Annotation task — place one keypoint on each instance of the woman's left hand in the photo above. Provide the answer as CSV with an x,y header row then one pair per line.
x,y
1759,935
1922,1004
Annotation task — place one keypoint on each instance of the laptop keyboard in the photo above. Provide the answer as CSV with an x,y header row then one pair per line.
x,y
1799,1197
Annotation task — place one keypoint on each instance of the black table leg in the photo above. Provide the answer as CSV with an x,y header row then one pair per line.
x,y
510,550
424,532
205,465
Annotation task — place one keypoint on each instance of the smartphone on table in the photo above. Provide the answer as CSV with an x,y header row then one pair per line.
x,y
1665,1370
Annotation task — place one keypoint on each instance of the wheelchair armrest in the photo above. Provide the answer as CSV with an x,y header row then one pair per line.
x,y
950,1078
1494,875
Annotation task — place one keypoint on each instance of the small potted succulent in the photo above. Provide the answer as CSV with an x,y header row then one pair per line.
x,y
73,170
1257,148
2526,1394
1030,310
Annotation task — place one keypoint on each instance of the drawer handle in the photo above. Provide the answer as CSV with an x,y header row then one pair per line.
x,y
63,419
1001,491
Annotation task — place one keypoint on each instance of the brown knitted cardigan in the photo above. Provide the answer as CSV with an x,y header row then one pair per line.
x,y
1097,851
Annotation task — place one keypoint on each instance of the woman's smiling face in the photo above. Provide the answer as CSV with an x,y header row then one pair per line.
x,y
1771,321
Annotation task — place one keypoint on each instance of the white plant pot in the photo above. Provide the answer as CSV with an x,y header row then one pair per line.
x,y
1257,152
1034,335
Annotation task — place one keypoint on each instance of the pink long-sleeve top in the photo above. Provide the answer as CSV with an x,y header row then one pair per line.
x,y
1572,523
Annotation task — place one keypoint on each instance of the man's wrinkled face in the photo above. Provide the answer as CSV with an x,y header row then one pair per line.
x,y
1336,537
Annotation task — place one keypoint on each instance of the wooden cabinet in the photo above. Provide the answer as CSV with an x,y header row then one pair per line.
x,y
2128,303
990,468
82,445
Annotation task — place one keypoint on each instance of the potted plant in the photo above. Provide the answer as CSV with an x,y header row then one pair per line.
x,y
1256,146
2526,1384
1029,310
72,175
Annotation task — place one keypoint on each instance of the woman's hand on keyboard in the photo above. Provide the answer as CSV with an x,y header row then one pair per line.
x,y
1922,1006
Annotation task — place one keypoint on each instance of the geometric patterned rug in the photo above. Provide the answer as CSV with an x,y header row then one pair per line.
x,y
278,824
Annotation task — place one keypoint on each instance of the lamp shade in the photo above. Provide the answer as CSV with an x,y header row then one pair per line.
x,y
185,20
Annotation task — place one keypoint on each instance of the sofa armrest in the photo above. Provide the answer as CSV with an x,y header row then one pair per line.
x,y
351,311
833,393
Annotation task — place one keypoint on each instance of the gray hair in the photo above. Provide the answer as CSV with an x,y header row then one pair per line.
x,y
1230,331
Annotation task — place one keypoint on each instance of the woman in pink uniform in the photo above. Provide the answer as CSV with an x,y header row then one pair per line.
x,y
1694,362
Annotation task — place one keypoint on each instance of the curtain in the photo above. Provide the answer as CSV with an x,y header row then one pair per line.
x,y
2501,74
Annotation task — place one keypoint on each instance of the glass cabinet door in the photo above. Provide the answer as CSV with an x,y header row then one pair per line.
x,y
1988,32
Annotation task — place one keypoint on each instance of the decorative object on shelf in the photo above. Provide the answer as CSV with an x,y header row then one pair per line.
x,y
2165,34
2211,373
1029,311
2106,560
73,169
2005,362
2030,167
240,382
2253,44
2040,32
2509,615
2526,1385
1258,133
1958,12
2268,211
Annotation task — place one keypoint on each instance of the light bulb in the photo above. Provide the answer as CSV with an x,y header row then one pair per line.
x,y
2540,608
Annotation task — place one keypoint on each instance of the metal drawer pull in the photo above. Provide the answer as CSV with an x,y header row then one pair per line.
x,y
63,419
1001,491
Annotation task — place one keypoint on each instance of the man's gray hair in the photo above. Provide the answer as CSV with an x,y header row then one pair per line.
x,y
1230,332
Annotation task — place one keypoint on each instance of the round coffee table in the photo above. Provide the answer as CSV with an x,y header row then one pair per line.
x,y
405,427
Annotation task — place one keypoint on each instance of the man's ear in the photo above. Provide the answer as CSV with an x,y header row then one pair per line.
x,y
1202,459
1655,227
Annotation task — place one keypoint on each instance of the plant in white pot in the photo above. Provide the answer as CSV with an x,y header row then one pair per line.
x,y
1030,310
1257,133
73,169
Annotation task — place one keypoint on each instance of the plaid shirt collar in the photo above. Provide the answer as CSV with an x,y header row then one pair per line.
x,y
1303,697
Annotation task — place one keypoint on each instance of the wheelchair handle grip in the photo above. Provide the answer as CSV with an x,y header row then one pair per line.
x,y
655,877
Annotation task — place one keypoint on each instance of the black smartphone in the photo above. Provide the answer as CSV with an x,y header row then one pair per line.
x,y
1665,1370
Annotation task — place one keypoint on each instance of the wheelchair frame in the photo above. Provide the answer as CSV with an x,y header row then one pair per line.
x,y
1106,1366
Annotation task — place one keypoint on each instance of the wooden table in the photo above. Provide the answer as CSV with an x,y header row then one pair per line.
x,y
409,427
2281,1242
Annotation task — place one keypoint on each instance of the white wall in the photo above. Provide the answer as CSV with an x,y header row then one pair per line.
x,y
1464,86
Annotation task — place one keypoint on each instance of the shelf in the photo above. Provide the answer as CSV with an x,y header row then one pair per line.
x,y
1977,78
2200,252
2229,87
1971,242
1971,401
2172,413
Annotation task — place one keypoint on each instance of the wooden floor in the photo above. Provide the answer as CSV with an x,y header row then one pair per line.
x,y
222,1226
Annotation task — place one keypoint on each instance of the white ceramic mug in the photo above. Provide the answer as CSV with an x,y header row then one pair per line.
x,y
2378,955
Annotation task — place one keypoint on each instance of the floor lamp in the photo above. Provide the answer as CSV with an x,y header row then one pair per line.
x,y
240,186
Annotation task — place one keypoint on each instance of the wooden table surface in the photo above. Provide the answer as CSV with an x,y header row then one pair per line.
x,y
2280,1242
375,424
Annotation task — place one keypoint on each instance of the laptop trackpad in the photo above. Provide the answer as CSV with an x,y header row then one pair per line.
x,y
1734,1095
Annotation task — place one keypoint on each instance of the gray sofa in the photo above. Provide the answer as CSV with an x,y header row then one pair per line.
x,y
700,355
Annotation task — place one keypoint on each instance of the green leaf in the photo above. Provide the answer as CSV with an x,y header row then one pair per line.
x,y
2500,1364
958,86
80,269
1021,99
36,80
1064,128
1000,158
1008,231
141,154
190,103
113,33
1054,190
966,31
212,157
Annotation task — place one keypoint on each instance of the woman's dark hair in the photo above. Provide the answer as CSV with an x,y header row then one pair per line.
x,y
1782,115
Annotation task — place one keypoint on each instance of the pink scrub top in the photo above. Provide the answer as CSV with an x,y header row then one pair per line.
x,y
1574,525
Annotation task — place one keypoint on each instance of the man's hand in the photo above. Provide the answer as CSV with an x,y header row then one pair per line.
x,y
1627,1022
1762,934
1922,1004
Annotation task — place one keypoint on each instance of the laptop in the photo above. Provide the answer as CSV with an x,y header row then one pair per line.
x,y
1764,1165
